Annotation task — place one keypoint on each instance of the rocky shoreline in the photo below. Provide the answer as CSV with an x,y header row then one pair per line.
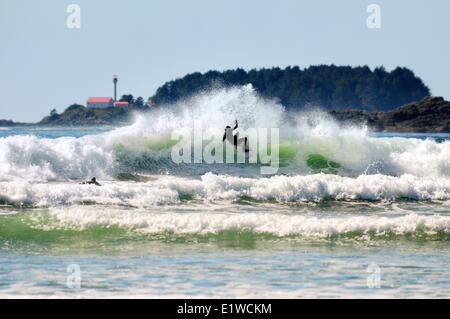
x,y
9,123
430,115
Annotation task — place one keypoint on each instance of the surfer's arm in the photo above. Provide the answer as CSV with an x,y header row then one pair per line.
x,y
236,125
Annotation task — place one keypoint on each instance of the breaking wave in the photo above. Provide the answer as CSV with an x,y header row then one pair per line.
x,y
45,172
167,190
186,225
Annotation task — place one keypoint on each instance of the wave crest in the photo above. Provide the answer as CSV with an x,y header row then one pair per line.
x,y
166,190
282,225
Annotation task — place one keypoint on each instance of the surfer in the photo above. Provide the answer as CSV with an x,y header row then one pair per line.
x,y
234,138
93,181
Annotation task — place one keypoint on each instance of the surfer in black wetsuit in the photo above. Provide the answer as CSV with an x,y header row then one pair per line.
x,y
93,181
234,138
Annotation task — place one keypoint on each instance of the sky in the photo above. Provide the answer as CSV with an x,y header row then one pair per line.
x,y
45,65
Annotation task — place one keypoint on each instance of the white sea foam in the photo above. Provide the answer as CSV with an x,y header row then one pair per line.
x,y
273,223
211,187
37,159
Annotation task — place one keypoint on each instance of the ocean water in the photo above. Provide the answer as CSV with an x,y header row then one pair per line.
x,y
373,221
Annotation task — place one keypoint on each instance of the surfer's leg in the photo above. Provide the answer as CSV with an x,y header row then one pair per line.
x,y
239,141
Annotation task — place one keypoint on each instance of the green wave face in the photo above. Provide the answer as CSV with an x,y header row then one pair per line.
x,y
155,154
38,230
320,163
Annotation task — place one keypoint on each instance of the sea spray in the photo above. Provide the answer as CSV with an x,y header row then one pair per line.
x,y
145,146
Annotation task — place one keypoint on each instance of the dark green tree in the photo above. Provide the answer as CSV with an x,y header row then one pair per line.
x,y
74,107
127,98
139,102
54,114
326,86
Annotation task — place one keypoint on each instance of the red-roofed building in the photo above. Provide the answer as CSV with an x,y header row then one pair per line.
x,y
121,103
99,102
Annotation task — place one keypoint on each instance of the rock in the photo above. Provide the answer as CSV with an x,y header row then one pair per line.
x,y
7,123
431,114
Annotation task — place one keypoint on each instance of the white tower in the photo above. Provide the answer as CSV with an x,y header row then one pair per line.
x,y
115,80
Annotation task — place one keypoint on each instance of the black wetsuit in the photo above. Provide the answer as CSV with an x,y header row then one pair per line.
x,y
235,141
93,181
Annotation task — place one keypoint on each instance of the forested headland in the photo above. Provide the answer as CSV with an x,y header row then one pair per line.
x,y
327,86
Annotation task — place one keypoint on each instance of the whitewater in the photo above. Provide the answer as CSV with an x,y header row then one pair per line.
x,y
342,196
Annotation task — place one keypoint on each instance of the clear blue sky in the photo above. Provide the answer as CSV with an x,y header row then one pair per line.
x,y
45,65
